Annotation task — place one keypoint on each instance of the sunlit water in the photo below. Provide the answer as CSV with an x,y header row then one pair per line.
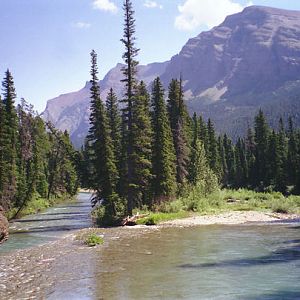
x,y
49,225
209,262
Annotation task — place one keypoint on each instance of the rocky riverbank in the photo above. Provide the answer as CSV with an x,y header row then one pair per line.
x,y
3,226
37,272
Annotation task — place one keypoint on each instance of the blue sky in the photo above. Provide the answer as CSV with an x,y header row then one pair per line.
x,y
46,43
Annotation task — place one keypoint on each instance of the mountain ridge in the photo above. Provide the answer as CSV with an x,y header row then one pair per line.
x,y
228,72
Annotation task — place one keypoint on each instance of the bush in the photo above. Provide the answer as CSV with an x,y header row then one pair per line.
x,y
93,240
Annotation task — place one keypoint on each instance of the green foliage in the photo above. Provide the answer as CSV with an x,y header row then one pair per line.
x,y
93,240
102,155
104,216
90,236
35,164
156,218
163,152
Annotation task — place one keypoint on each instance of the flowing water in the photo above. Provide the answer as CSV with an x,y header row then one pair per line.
x,y
49,225
210,262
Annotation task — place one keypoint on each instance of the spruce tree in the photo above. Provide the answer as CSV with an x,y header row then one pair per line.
x,y
163,152
114,122
198,163
141,146
213,153
178,121
106,175
241,169
129,72
10,140
261,145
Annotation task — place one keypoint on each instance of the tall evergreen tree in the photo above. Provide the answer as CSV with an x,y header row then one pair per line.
x,y
141,146
241,169
198,163
114,122
10,143
106,174
213,153
163,157
178,122
129,72
261,145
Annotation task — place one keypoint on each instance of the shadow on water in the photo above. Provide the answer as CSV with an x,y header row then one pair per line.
x,y
49,229
282,255
74,217
278,295
75,206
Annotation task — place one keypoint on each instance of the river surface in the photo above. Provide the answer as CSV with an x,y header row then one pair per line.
x,y
49,225
208,262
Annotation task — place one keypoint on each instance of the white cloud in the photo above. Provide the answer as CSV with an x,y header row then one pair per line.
x,y
81,25
105,5
152,4
196,13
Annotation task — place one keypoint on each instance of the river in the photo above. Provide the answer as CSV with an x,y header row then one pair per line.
x,y
207,262
49,225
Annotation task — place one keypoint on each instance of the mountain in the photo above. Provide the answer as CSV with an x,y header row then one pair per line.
x,y
250,61
71,111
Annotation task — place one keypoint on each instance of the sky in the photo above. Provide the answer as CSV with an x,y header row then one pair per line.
x,y
46,44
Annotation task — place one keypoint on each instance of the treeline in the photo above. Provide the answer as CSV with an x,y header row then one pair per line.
x,y
147,153
35,160
265,160
152,151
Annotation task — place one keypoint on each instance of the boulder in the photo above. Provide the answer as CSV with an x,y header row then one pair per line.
x,y
3,226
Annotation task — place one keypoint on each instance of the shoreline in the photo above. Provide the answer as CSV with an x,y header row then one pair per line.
x,y
28,273
235,218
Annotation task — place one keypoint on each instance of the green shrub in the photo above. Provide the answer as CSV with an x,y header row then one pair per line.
x,y
93,239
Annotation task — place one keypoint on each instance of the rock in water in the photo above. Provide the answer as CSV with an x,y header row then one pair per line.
x,y
3,226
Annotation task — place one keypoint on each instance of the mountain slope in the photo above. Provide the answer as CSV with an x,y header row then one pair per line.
x,y
251,60
71,111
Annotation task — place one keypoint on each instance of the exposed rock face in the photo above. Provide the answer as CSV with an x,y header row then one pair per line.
x,y
253,51
71,111
251,60
3,227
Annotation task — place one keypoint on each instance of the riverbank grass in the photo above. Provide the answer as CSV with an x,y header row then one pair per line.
x,y
90,237
37,204
221,201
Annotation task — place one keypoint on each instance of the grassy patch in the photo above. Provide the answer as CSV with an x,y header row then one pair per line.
x,y
225,200
93,240
35,205
156,218
90,237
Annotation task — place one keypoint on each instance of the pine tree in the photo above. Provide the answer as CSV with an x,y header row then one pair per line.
x,y
292,157
129,72
163,157
178,121
25,152
114,122
213,153
203,134
273,163
2,154
281,181
10,140
230,159
250,157
141,146
198,163
261,142
106,174
241,172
